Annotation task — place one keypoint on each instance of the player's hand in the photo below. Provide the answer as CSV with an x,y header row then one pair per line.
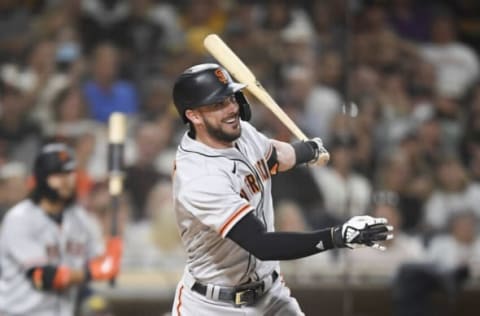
x,y
106,267
362,231
321,154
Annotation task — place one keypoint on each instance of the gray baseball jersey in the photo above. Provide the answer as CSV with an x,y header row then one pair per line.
x,y
213,190
30,238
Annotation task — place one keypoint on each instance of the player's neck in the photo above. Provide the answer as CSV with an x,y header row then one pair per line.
x,y
212,142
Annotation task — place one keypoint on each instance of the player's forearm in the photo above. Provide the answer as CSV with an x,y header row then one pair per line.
x,y
288,246
101,268
47,278
306,151
285,155
251,235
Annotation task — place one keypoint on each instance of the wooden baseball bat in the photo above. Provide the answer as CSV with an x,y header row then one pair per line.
x,y
228,59
116,138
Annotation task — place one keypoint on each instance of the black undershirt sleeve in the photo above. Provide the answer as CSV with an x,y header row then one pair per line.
x,y
251,235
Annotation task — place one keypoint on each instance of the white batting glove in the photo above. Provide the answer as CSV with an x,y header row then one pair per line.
x,y
362,231
321,154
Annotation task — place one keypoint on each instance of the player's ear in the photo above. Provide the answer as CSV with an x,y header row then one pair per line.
x,y
193,116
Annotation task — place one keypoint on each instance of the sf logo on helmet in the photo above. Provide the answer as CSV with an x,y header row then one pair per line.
x,y
221,76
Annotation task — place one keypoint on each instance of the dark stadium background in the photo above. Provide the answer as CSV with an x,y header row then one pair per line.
x,y
392,87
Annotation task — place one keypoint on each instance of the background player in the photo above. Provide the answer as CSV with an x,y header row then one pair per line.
x,y
49,244
223,203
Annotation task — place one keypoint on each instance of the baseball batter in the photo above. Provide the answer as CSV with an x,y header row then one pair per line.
x,y
223,203
49,244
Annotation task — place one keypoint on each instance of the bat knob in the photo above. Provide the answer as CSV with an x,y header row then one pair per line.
x,y
323,159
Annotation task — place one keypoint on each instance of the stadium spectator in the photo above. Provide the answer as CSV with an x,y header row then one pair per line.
x,y
346,193
19,134
454,193
314,105
13,185
401,249
410,19
200,18
142,176
456,64
397,78
105,92
102,21
459,247
15,30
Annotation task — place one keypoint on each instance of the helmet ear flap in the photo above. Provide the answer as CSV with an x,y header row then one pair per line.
x,y
245,112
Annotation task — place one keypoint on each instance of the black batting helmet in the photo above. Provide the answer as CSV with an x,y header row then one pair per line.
x,y
53,158
206,84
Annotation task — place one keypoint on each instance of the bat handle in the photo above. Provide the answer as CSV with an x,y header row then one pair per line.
x,y
114,221
114,225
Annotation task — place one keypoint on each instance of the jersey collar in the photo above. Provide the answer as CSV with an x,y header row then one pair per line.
x,y
190,144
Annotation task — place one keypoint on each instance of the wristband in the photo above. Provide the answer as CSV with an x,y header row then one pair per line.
x,y
337,238
304,152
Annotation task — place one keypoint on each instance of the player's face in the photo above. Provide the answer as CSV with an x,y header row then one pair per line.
x,y
63,183
222,120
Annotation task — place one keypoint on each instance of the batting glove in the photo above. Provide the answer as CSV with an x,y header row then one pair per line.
x,y
321,154
106,267
362,231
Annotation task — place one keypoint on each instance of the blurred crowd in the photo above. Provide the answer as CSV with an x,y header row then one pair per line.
x,y
392,88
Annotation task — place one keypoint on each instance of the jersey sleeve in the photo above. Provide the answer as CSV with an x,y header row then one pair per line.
x,y
214,201
264,144
19,242
254,137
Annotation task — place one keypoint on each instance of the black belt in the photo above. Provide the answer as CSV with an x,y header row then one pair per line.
x,y
244,294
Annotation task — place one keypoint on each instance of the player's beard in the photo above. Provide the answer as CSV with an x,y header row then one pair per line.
x,y
220,134
66,200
